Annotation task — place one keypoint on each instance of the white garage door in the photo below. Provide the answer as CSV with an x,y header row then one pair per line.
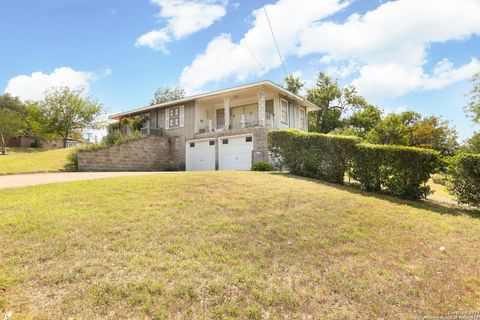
x,y
200,155
235,153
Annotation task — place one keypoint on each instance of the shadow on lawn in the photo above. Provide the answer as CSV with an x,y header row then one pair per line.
x,y
420,204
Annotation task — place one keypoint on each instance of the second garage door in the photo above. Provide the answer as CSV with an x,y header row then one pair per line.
x,y
235,153
200,155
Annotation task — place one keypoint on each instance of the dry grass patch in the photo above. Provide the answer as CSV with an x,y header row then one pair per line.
x,y
231,245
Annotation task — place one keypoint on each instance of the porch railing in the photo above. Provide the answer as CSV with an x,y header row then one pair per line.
x,y
239,122
151,131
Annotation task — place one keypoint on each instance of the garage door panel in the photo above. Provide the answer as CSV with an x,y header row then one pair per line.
x,y
236,154
200,155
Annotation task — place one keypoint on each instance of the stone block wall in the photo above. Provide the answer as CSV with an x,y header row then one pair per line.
x,y
145,154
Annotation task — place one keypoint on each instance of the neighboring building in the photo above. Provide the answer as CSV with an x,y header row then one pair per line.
x,y
226,129
27,142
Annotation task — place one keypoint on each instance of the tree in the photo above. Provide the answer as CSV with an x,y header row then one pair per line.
x,y
68,110
167,94
294,85
473,144
473,107
37,126
333,101
433,133
12,113
364,120
394,129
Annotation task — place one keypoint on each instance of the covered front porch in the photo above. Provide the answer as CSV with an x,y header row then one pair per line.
x,y
239,110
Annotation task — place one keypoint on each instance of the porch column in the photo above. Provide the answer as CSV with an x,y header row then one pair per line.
x,y
261,108
226,107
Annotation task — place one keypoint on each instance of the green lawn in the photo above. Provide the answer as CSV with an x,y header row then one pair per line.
x,y
28,160
231,245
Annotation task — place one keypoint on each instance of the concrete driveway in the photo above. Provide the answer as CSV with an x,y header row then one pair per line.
x,y
33,179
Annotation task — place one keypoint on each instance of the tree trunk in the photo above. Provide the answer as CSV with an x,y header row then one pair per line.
x,y
3,144
65,142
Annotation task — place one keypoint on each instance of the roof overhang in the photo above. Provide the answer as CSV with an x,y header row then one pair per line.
x,y
310,106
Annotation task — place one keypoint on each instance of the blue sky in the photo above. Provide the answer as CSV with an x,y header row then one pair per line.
x,y
405,54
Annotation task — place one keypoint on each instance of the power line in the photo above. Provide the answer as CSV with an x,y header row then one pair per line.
x,y
244,42
275,40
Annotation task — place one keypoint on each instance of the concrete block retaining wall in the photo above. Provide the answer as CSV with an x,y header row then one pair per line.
x,y
145,154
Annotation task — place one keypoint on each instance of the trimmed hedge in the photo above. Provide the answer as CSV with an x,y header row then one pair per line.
x,y
401,171
464,179
315,155
263,166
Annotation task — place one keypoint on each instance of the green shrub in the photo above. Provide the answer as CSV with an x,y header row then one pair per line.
x,y
263,166
401,171
72,160
464,178
321,156
366,167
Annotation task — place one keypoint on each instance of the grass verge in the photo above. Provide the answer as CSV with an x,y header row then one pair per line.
x,y
223,245
30,160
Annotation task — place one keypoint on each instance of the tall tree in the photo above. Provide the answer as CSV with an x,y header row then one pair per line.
x,y
394,129
12,113
69,110
332,101
294,85
473,107
434,133
167,94
364,120
473,144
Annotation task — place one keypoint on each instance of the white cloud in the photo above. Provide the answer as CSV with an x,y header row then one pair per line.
x,y
155,39
390,44
255,53
445,74
183,19
387,47
32,87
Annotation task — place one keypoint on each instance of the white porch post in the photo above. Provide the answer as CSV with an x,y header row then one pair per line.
x,y
261,108
226,106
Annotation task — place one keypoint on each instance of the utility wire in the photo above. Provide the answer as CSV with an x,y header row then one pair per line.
x,y
244,42
275,40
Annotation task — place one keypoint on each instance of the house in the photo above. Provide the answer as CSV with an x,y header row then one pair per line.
x,y
225,129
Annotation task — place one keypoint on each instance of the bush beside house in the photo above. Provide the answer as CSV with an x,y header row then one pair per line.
x,y
313,155
400,171
464,178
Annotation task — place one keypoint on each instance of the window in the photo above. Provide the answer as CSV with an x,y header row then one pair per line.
x,y
284,109
174,117
220,118
192,144
303,124
248,139
225,141
211,142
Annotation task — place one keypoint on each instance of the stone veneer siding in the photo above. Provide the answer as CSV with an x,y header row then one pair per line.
x,y
145,154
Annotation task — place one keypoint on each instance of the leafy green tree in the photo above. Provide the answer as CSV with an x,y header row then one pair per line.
x,y
37,126
12,124
68,110
294,85
394,129
434,133
364,120
473,144
473,107
167,94
333,101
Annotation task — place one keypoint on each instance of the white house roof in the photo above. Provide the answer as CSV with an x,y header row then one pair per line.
x,y
268,83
